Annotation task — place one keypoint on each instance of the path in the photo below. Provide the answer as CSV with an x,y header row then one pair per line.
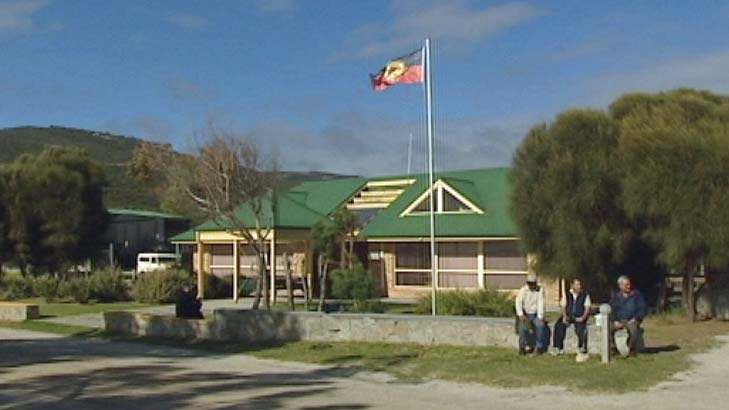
x,y
42,372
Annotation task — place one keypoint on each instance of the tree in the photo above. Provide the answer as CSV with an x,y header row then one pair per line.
x,y
566,200
54,208
229,181
675,147
5,244
324,237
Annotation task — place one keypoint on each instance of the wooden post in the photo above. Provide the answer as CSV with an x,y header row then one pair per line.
x,y
200,269
605,326
236,269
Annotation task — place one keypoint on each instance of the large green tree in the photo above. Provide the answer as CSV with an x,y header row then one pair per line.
x,y
55,210
566,200
675,150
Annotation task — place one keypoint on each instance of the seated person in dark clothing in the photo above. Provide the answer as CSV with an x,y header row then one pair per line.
x,y
187,305
575,306
628,308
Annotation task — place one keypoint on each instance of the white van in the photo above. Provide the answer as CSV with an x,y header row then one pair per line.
x,y
148,262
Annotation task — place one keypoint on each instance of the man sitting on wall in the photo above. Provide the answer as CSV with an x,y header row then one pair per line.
x,y
530,310
187,305
628,308
575,305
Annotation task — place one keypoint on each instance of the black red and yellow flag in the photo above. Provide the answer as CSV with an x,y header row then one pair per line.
x,y
407,69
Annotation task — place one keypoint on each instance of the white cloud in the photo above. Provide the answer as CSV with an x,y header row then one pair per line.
x,y
18,15
188,20
452,24
351,144
710,71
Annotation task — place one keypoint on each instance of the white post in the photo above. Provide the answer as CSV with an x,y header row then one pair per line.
x,y
605,327
481,282
272,261
236,269
431,166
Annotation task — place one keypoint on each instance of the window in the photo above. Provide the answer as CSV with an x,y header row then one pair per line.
x,y
452,204
504,256
412,264
458,265
144,259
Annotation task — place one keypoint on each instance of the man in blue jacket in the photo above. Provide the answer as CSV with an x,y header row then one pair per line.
x,y
628,308
575,305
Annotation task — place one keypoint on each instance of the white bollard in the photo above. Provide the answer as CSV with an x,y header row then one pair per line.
x,y
605,326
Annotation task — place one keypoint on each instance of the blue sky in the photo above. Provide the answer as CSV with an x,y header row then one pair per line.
x,y
294,74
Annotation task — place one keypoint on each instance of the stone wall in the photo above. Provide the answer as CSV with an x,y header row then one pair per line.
x,y
18,312
250,326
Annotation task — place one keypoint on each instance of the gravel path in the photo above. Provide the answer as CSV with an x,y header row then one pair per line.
x,y
39,371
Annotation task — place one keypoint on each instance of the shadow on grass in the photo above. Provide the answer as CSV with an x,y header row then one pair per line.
x,y
660,349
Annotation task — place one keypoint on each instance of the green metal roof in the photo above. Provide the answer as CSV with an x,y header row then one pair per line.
x,y
187,236
303,205
486,188
143,213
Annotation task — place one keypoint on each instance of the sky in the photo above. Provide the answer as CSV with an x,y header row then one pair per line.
x,y
293,75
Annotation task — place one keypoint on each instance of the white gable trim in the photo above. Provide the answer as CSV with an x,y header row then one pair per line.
x,y
439,186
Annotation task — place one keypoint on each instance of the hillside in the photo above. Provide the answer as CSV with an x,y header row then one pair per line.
x,y
112,152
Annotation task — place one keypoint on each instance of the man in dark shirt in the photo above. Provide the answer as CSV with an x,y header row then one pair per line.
x,y
575,306
187,305
628,308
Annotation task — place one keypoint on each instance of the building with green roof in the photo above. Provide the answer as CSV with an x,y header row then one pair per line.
x,y
477,244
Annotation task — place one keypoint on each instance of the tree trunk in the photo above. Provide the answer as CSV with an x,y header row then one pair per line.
x,y
350,253
264,283
343,255
323,268
289,287
260,281
690,299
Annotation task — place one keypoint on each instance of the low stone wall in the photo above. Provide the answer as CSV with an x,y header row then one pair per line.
x,y
251,326
18,312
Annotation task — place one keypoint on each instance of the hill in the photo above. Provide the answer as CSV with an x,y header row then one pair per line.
x,y
112,152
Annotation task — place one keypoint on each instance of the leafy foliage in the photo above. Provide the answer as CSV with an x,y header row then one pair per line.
x,y
54,207
355,283
160,286
484,302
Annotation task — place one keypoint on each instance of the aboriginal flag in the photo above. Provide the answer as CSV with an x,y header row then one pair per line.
x,y
402,70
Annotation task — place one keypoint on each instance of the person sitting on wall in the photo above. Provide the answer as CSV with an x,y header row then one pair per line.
x,y
530,310
575,306
187,304
628,308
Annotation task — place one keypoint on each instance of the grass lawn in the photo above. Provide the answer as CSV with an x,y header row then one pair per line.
x,y
48,327
52,309
670,340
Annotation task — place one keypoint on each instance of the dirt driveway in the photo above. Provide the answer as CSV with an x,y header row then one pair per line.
x,y
39,371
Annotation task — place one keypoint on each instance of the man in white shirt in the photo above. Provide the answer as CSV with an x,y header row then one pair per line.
x,y
530,310
575,306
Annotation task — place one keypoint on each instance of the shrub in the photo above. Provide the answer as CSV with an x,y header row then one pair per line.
x,y
47,287
366,306
484,302
247,286
16,287
77,289
217,287
355,283
160,286
107,286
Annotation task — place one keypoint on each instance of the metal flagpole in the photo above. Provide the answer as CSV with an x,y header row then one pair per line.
x,y
429,127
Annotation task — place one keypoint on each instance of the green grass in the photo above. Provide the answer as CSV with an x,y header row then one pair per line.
x,y
671,337
55,328
54,309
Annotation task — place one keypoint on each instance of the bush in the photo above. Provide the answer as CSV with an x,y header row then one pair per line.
x,y
355,283
484,302
16,287
366,306
47,287
217,287
77,289
160,286
107,286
